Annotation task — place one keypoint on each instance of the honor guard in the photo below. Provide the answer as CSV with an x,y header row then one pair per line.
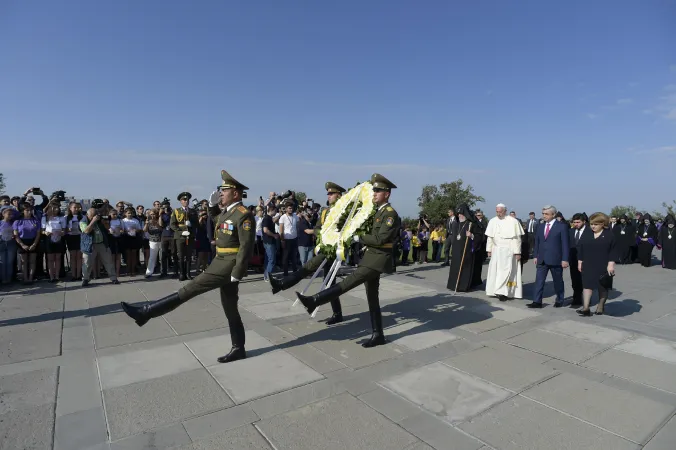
x,y
377,259
333,192
235,239
183,222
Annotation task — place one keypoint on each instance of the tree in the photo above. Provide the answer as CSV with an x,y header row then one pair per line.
x,y
436,201
300,196
620,210
665,205
2,183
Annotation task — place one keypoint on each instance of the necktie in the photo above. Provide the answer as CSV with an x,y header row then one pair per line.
x,y
547,231
577,236
530,226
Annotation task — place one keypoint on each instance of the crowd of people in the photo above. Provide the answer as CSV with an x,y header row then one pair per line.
x,y
45,240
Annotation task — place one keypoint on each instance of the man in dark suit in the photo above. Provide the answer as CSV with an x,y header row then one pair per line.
x,y
579,229
450,223
531,228
550,254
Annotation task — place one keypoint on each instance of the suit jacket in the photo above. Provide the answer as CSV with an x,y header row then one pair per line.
x,y
450,224
556,248
574,246
535,226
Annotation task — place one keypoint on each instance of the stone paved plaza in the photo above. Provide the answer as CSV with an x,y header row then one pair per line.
x,y
459,372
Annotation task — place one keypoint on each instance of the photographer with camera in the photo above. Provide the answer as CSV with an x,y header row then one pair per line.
x,y
95,241
73,219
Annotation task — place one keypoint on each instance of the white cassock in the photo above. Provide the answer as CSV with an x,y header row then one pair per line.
x,y
504,271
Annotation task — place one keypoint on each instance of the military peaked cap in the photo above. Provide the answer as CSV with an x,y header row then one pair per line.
x,y
380,182
184,196
332,188
230,183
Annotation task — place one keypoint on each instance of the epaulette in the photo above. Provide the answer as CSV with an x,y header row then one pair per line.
x,y
389,209
242,209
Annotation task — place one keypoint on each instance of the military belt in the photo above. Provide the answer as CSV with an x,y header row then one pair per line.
x,y
226,250
382,246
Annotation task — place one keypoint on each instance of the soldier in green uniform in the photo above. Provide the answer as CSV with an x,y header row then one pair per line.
x,y
377,259
334,192
235,239
183,222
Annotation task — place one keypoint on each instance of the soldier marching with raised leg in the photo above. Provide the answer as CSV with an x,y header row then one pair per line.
x,y
377,260
235,240
333,192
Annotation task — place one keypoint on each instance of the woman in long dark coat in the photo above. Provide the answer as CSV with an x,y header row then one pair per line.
x,y
667,240
646,238
625,238
596,257
468,235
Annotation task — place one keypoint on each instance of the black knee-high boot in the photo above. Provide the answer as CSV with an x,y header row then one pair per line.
x,y
377,336
142,314
284,283
237,334
337,316
311,302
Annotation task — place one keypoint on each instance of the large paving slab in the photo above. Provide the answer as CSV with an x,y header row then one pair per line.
x,y
337,423
521,424
263,375
624,413
503,369
503,312
242,438
267,311
658,349
141,365
665,438
30,341
587,332
31,427
118,329
636,368
149,404
556,345
34,388
446,392
198,315
392,290
207,350
415,335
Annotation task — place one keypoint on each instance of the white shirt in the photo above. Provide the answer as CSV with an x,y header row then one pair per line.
x,y
131,226
578,233
55,225
290,225
74,226
531,225
551,225
259,226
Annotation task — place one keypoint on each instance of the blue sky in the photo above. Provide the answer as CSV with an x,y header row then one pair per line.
x,y
571,103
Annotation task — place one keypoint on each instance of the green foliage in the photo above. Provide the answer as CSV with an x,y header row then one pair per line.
x,y
436,201
2,183
300,196
667,206
620,210
411,222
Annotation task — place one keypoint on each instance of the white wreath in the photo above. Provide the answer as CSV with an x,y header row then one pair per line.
x,y
330,234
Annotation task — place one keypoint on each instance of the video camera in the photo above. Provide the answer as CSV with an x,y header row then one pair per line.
x,y
97,204
287,194
59,196
36,191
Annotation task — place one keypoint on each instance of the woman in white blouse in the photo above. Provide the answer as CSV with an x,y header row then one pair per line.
x,y
54,229
73,239
132,229
116,242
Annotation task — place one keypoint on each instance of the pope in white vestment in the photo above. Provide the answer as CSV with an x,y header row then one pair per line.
x,y
503,244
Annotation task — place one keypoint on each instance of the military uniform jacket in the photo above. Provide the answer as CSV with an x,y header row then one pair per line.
x,y
235,234
380,240
177,222
323,214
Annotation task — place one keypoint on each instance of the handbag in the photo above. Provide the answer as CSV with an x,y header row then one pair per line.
x,y
606,280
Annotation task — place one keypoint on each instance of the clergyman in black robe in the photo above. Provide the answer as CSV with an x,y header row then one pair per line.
x,y
667,240
646,238
625,238
467,239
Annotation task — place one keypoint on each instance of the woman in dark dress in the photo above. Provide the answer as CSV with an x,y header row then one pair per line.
x,y
469,231
646,238
596,257
625,238
667,241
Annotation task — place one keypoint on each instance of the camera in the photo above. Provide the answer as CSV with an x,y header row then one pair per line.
x,y
287,194
59,196
97,203
36,191
244,195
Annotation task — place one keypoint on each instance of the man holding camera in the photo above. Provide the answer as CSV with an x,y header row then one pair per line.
x,y
182,223
93,242
235,240
333,192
